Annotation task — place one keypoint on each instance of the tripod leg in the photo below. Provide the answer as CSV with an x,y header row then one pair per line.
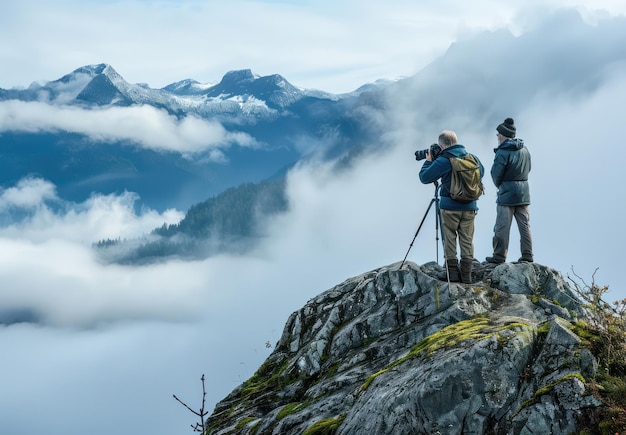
x,y
432,201
439,228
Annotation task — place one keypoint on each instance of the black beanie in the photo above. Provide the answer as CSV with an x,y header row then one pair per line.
x,y
507,128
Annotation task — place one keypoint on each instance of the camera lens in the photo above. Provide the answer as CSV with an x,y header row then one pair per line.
x,y
420,154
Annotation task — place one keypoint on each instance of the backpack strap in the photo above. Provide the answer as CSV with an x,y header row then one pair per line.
x,y
449,155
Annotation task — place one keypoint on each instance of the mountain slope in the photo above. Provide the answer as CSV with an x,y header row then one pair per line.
x,y
400,352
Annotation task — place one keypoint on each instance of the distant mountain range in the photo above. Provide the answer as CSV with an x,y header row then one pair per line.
x,y
239,93
282,120
286,124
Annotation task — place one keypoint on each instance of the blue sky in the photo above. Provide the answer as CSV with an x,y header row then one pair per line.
x,y
119,341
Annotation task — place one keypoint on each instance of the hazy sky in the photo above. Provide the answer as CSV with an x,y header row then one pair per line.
x,y
114,343
330,45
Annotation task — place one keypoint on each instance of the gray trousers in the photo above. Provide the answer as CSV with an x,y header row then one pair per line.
x,y
502,229
458,223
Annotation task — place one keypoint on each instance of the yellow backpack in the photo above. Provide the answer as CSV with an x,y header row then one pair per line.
x,y
466,184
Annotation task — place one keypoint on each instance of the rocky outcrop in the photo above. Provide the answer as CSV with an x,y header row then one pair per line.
x,y
397,351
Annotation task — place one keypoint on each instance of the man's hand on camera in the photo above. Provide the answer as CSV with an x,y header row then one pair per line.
x,y
428,157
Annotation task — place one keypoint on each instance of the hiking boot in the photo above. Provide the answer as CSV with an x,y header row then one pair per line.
x,y
523,259
494,260
451,271
466,270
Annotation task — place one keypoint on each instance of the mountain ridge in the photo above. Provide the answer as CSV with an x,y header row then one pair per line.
x,y
98,84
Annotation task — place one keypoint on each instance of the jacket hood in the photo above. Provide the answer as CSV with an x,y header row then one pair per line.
x,y
511,145
457,150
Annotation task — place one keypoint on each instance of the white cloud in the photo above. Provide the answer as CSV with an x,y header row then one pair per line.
x,y
578,176
99,217
71,287
143,125
121,340
28,193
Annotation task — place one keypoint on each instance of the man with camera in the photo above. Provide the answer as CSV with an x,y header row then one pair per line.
x,y
509,172
457,217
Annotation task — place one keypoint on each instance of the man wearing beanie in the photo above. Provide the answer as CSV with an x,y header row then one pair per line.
x,y
509,172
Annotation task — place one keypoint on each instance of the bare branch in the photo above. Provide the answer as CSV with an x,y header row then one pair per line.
x,y
198,427
185,405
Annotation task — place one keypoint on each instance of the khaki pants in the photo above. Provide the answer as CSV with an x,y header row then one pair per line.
x,y
502,229
458,223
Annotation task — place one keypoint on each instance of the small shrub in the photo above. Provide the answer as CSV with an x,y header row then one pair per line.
x,y
614,421
606,327
605,335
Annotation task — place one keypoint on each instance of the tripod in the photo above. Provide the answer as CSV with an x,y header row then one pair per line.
x,y
435,201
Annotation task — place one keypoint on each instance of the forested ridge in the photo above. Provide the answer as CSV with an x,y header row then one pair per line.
x,y
227,222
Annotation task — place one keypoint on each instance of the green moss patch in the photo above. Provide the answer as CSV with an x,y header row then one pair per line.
x,y
289,409
266,377
548,388
327,426
477,329
244,422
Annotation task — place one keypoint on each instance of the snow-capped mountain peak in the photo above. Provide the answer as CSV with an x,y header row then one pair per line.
x,y
240,94
188,87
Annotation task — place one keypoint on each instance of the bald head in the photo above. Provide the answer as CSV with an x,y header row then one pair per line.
x,y
447,138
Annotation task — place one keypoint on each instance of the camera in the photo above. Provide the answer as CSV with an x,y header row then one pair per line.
x,y
434,149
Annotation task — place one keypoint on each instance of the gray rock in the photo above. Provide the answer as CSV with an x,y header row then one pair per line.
x,y
400,352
